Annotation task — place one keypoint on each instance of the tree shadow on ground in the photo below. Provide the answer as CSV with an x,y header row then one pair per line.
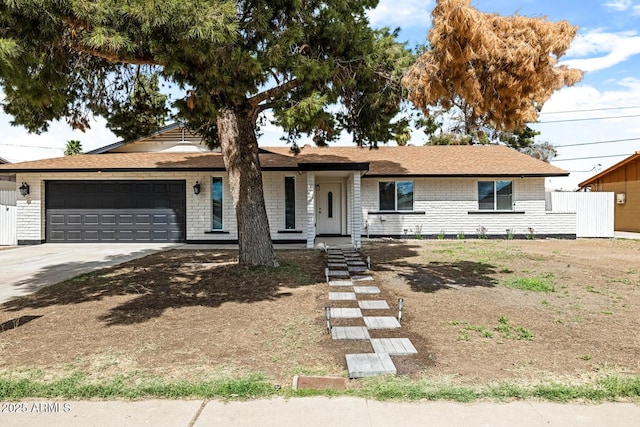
x,y
393,257
448,275
147,287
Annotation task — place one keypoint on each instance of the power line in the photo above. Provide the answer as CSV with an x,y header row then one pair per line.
x,y
591,109
31,146
588,119
596,142
593,157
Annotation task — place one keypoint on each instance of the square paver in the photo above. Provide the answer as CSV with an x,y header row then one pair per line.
x,y
356,263
393,346
345,313
373,305
369,365
340,283
366,289
338,273
361,278
342,296
350,333
381,322
338,265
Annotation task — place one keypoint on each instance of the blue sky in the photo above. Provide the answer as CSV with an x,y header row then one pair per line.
x,y
576,120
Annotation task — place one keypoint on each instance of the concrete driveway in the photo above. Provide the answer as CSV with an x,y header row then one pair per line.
x,y
25,269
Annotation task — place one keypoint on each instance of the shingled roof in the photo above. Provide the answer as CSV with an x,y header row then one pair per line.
x,y
426,161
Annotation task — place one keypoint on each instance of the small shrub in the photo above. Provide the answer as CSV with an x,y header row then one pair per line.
x,y
509,234
440,235
482,232
460,235
419,232
531,234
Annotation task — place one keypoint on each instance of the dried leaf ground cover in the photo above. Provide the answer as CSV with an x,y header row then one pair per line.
x,y
195,315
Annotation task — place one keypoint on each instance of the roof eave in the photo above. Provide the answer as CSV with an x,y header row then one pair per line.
x,y
471,175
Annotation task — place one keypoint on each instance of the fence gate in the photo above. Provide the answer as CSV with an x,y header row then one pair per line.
x,y
8,218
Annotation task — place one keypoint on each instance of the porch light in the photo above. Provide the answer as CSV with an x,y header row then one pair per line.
x,y
196,188
317,187
24,189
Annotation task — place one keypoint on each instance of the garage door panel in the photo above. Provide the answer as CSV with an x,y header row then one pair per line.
x,y
91,219
108,219
115,211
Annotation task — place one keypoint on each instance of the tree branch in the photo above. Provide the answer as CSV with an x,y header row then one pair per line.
x,y
274,92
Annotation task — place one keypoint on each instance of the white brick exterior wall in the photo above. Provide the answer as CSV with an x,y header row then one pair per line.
x,y
446,204
31,209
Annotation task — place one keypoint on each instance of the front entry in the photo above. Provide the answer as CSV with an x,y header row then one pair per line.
x,y
329,209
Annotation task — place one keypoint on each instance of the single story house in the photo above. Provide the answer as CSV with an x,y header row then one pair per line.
x,y
623,179
169,187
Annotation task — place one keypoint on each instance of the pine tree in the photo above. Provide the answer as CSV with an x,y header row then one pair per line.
x,y
236,59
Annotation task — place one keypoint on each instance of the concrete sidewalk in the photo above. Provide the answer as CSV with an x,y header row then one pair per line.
x,y
313,411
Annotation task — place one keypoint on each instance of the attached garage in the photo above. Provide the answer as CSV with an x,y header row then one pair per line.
x,y
115,211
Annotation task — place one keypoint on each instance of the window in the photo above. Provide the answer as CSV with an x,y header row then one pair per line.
x,y
216,203
495,195
289,202
396,195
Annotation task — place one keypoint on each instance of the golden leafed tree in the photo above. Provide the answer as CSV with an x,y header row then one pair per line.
x,y
504,68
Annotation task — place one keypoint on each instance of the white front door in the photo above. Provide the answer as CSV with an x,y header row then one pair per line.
x,y
328,209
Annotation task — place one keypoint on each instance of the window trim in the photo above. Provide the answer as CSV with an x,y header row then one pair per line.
x,y
395,196
213,179
495,196
293,201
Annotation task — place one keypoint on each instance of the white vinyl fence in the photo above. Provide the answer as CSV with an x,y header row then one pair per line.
x,y
594,211
8,218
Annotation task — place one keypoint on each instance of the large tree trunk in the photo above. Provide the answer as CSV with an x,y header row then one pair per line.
x,y
240,152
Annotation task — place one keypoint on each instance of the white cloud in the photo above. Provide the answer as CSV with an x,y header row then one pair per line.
x,y
607,49
406,14
618,5
16,144
606,102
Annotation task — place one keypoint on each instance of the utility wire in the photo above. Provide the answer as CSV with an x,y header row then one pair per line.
x,y
596,142
31,146
593,157
588,119
591,109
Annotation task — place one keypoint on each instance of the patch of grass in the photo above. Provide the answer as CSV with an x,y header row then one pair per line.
x,y
586,357
77,386
609,388
542,283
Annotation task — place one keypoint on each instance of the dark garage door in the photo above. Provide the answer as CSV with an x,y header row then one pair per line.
x,y
115,211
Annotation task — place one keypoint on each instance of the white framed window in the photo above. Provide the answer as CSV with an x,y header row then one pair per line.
x,y
290,202
395,195
216,203
495,195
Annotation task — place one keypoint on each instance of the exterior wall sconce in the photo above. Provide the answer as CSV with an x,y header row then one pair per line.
x,y
24,189
196,188
317,187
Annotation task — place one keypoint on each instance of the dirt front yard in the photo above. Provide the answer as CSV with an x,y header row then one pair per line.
x,y
478,311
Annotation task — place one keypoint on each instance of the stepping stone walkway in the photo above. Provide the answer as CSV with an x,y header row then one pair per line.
x,y
343,264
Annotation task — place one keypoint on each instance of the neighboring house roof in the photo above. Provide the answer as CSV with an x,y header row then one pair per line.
x,y
3,161
173,133
610,170
425,161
